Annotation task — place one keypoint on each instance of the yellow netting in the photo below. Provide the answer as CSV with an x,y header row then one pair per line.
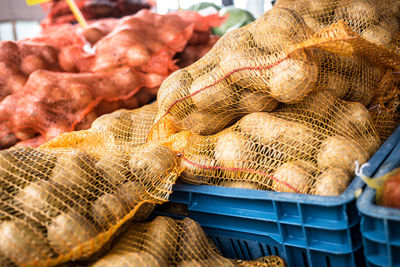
x,y
281,104
168,242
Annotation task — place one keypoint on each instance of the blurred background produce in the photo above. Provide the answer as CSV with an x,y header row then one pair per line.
x,y
149,46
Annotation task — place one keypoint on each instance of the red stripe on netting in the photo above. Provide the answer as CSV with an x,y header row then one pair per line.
x,y
243,170
239,69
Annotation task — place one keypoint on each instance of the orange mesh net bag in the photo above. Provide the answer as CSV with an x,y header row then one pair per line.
x,y
276,105
133,55
168,242
284,105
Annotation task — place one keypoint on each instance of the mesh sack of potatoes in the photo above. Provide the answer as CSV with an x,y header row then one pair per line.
x,y
68,198
280,58
275,105
311,147
168,242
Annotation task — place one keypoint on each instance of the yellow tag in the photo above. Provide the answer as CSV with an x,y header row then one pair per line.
x,y
36,2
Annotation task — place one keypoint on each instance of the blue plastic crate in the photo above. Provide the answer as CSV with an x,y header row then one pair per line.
x,y
380,226
304,230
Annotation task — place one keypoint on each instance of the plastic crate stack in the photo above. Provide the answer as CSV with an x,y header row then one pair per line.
x,y
380,226
304,230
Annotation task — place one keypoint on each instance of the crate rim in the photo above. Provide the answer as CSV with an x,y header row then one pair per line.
x,y
328,201
366,202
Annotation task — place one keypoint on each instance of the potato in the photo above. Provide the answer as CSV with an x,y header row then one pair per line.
x,y
208,123
151,163
20,165
69,230
293,79
162,237
384,122
239,58
210,93
321,7
175,87
293,177
280,135
341,152
331,182
351,118
222,262
127,127
41,200
358,14
197,175
334,83
280,21
129,259
313,22
383,33
108,209
74,169
240,184
132,194
251,102
23,243
365,80
113,169
194,243
318,106
233,150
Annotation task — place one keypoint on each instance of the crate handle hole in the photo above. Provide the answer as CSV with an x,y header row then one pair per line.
x,y
328,261
276,251
305,261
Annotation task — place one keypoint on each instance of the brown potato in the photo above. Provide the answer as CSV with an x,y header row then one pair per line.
x,y
341,152
23,243
108,209
251,102
280,21
175,88
358,14
194,243
162,237
352,118
128,259
239,58
293,79
208,123
114,169
240,184
233,150
69,230
291,139
75,170
318,106
383,33
132,193
42,200
331,182
334,83
210,93
293,177
221,262
150,163
193,173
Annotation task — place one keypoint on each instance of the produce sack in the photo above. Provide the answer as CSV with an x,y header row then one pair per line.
x,y
308,126
168,242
